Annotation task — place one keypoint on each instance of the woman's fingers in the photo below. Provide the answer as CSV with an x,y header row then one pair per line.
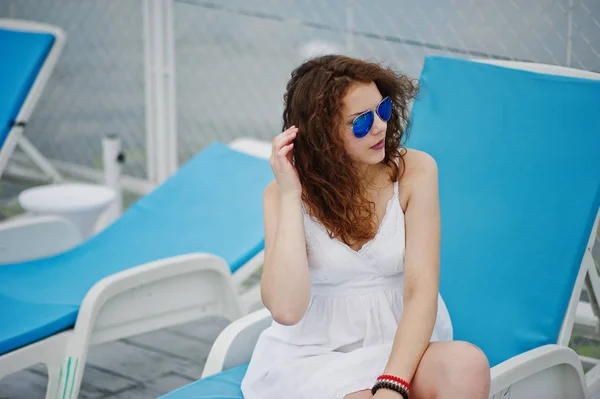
x,y
285,150
284,139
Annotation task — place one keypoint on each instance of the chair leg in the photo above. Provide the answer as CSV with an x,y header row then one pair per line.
x,y
592,293
71,376
36,156
592,379
54,377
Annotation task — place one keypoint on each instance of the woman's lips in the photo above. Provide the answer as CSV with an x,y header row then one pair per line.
x,y
380,144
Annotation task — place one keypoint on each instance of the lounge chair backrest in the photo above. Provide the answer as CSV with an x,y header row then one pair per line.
x,y
518,154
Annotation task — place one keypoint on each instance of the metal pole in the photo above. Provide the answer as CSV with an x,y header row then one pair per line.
x,y
170,81
160,89
570,32
159,99
112,156
149,89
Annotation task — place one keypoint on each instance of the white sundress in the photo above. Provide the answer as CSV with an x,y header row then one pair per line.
x,y
344,340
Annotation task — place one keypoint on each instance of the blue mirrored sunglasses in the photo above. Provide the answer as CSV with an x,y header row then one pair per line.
x,y
361,125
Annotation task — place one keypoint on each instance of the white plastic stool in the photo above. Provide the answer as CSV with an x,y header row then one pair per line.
x,y
81,203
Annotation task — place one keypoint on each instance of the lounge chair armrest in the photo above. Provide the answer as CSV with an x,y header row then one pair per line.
x,y
551,371
29,238
235,344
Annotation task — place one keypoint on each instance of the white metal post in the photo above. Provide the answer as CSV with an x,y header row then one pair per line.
x,y
149,91
570,32
111,151
171,98
159,66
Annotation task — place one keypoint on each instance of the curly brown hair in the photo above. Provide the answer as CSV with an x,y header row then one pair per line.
x,y
330,183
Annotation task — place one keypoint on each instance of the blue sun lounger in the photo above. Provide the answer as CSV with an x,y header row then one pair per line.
x,y
30,51
178,254
518,154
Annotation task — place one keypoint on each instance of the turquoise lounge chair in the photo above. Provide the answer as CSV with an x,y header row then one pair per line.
x,y
178,254
30,51
519,176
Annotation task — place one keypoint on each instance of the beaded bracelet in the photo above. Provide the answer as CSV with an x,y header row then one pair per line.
x,y
392,386
394,378
392,383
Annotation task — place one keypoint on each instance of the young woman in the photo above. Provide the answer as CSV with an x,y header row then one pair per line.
x,y
352,237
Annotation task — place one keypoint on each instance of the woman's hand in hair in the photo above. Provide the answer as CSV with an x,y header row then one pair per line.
x,y
281,163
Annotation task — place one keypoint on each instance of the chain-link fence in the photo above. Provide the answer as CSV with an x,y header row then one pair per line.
x,y
98,85
234,57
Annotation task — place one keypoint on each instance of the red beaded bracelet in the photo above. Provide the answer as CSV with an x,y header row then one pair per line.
x,y
394,378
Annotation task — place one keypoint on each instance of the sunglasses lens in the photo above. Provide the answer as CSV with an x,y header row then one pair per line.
x,y
362,124
384,110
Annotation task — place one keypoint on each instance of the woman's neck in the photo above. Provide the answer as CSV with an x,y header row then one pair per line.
x,y
370,175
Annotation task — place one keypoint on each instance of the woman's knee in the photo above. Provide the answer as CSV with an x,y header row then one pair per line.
x,y
468,367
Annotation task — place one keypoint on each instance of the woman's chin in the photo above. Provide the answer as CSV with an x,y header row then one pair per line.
x,y
375,156
370,159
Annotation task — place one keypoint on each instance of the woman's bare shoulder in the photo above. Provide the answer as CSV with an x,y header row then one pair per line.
x,y
418,165
420,170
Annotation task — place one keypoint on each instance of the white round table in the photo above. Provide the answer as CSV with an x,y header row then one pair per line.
x,y
81,203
